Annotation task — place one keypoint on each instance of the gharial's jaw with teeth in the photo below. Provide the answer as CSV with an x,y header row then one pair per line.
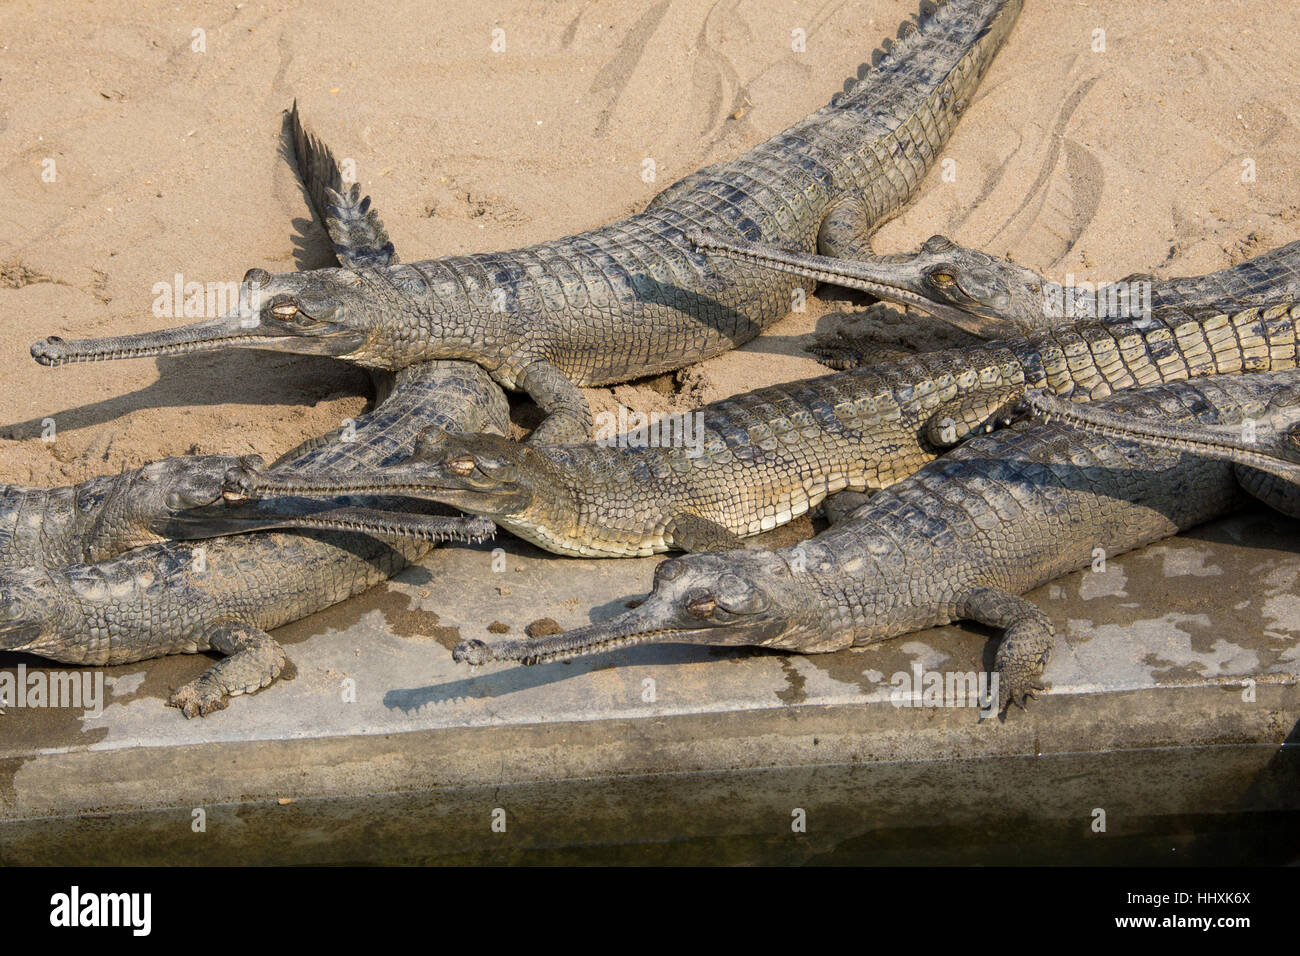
x,y
187,499
244,486
227,332
1272,445
295,514
198,337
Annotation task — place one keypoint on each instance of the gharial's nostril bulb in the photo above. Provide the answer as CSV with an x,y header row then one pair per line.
x,y
470,652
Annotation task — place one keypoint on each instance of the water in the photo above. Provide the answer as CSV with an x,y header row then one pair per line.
x,y
1188,805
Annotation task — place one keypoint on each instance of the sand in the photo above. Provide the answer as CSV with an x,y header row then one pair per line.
x,y
167,160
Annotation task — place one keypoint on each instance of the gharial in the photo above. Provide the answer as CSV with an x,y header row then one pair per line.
x,y
765,457
960,539
631,298
762,458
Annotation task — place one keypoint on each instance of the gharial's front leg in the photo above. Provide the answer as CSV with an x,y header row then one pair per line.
x,y
841,505
568,415
845,232
691,532
1026,641
255,660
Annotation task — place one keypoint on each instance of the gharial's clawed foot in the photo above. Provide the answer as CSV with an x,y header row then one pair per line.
x,y
1020,667
1021,659
1016,692
199,698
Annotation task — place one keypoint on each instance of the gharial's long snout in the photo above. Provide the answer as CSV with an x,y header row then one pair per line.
x,y
194,502
288,514
310,321
980,294
668,615
727,598
639,626
1274,450
252,484
228,331
457,482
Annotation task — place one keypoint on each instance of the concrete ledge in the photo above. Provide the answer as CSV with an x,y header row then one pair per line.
x,y
1148,719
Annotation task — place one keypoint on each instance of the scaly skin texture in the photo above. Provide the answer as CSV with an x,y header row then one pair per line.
x,y
960,539
991,297
223,595
773,454
631,298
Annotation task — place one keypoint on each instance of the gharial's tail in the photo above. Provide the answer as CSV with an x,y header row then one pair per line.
x,y
355,230
881,134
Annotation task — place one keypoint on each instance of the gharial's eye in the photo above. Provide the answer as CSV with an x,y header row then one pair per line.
x,y
668,571
284,310
702,606
942,278
462,466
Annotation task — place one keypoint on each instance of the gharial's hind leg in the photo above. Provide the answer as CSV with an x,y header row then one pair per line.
x,y
1026,641
843,348
975,412
568,414
254,660
690,532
